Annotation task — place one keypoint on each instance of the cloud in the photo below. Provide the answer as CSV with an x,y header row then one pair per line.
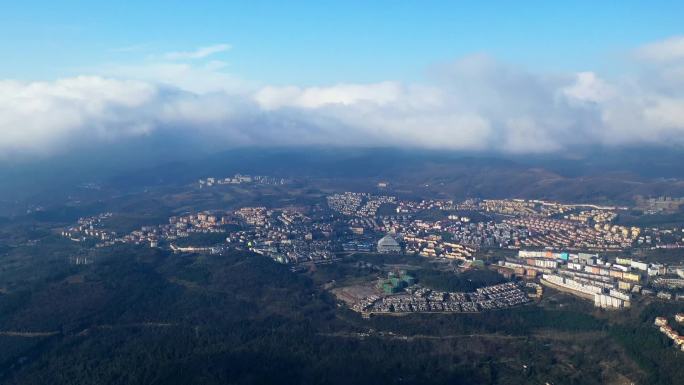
x,y
199,53
198,78
588,87
668,50
41,116
379,94
475,103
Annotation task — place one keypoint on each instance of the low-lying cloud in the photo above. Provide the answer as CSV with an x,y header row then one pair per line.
x,y
475,103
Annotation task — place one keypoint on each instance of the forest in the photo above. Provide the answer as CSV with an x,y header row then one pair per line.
x,y
141,315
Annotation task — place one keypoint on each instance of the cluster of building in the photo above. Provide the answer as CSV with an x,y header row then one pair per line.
x,y
521,207
608,284
408,207
178,227
373,203
569,234
285,235
665,328
453,238
241,179
604,297
592,216
90,228
358,204
346,203
488,234
419,299
536,207
433,246
669,283
659,205
317,233
254,216
531,223
662,238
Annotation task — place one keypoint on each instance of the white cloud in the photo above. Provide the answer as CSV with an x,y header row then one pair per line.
x,y
588,87
40,116
199,53
475,103
197,78
668,50
666,114
343,94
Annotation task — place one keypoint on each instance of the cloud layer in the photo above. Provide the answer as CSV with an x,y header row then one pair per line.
x,y
475,103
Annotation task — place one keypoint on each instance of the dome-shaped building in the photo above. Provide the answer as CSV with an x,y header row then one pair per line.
x,y
388,245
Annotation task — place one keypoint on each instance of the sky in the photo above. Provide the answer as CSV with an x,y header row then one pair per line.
x,y
504,76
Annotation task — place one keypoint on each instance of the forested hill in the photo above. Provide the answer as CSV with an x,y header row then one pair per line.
x,y
140,315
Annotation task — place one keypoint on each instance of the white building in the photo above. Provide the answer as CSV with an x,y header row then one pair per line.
x,y
388,245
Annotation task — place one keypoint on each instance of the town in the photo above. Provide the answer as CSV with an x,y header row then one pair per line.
x,y
241,179
574,248
609,284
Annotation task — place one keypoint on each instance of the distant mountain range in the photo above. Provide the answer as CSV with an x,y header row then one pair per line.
x,y
595,174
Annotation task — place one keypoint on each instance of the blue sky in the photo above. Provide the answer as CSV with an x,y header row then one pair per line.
x,y
324,42
508,76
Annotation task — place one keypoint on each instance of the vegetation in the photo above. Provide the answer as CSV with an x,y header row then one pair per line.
x,y
464,282
662,220
141,315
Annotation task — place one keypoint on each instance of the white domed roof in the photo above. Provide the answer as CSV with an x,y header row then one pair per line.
x,y
388,240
